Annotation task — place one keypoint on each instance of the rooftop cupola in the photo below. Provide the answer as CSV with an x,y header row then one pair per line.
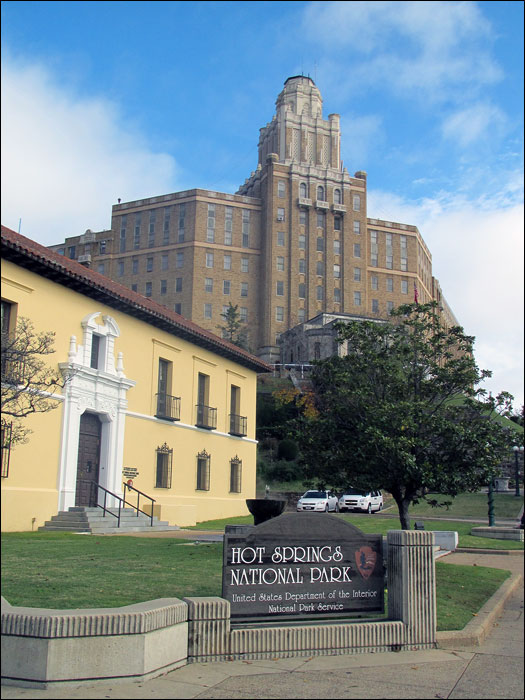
x,y
298,133
300,96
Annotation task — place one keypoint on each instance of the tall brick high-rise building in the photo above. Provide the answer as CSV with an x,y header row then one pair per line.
x,y
294,241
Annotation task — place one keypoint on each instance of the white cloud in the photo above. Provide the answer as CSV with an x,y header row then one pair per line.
x,y
477,256
66,159
431,48
474,123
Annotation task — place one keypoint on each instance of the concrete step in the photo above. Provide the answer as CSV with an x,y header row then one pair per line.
x,y
64,527
66,522
69,517
78,519
126,522
124,530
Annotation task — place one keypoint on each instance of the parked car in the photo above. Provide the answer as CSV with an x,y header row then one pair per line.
x,y
318,501
364,501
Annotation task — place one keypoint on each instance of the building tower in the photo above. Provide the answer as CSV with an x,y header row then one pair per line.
x,y
292,243
313,216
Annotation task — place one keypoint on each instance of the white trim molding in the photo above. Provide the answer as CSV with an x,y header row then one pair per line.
x,y
102,391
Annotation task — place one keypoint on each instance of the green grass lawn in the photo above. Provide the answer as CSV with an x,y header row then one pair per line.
x,y
63,570
461,591
468,505
379,525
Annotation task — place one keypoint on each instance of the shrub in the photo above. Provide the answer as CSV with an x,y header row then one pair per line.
x,y
287,450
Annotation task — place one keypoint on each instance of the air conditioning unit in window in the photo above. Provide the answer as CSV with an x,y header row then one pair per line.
x,y
280,218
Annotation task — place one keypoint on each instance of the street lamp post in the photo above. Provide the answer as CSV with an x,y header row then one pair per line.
x,y
491,502
517,450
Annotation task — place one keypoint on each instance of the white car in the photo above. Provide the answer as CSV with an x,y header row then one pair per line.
x,y
365,501
324,501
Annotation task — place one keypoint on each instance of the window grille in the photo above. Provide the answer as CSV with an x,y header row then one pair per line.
x,y
203,471
235,475
164,456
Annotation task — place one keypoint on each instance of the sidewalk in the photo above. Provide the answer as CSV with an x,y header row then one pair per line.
x,y
485,660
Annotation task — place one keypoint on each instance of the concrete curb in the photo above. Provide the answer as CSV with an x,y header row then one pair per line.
x,y
474,550
474,632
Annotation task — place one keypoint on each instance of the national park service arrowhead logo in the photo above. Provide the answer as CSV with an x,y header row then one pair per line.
x,y
365,559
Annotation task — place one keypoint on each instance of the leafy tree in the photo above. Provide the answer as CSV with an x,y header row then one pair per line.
x,y
401,411
234,329
27,381
273,416
518,418
287,450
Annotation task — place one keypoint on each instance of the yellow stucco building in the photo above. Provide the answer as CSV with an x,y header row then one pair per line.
x,y
151,395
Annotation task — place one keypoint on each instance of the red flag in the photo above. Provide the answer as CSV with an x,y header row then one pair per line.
x,y
416,296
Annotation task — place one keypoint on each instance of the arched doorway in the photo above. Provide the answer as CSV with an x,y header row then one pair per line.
x,y
88,462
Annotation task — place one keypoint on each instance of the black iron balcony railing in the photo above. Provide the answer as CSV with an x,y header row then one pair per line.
x,y
237,425
206,417
168,407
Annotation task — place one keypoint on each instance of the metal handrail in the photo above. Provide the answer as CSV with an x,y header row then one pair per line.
x,y
122,501
139,494
107,510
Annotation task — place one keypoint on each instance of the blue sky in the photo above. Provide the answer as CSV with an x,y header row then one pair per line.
x,y
102,100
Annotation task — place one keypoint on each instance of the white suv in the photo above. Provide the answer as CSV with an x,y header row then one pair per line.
x,y
365,501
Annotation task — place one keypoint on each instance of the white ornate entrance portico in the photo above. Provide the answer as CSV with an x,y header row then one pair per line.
x,y
98,386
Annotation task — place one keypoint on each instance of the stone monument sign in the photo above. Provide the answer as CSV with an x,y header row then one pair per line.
x,y
302,565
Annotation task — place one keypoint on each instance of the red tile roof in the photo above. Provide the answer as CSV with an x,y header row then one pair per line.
x,y
41,260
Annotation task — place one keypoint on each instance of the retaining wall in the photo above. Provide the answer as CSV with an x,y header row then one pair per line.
x,y
44,648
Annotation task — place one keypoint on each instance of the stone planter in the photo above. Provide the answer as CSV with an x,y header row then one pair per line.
x,y
263,509
501,483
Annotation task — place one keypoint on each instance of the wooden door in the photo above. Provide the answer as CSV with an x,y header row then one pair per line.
x,y
88,460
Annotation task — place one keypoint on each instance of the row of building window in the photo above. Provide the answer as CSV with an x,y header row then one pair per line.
x,y
164,470
228,226
210,229
358,301
320,267
320,247
320,194
209,285
227,262
320,221
245,264
320,241
208,312
168,406
164,263
226,287
321,224
374,283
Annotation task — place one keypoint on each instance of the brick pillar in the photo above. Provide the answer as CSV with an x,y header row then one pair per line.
x,y
208,629
412,585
